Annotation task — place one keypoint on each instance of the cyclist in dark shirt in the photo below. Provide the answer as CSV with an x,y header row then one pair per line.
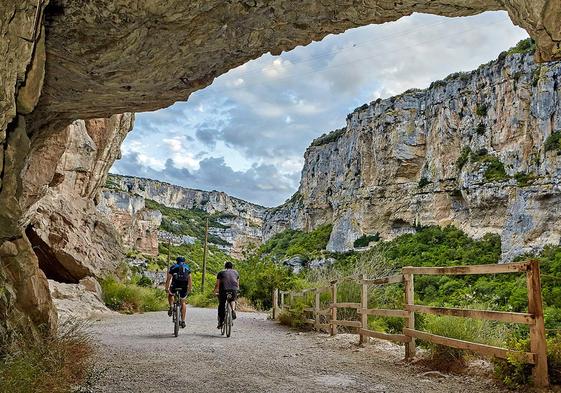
x,y
179,277
227,281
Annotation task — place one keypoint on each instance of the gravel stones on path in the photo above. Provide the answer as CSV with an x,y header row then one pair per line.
x,y
139,354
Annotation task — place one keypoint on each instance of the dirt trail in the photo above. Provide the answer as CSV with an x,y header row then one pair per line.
x,y
140,355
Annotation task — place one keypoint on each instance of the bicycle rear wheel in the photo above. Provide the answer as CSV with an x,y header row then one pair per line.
x,y
228,319
177,313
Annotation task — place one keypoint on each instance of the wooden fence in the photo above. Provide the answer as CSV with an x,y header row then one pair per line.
x,y
534,317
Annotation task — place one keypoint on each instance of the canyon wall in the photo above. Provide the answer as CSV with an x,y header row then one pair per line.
x,y
137,225
64,60
240,221
469,151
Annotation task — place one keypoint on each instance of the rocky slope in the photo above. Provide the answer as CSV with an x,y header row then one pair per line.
x,y
468,151
239,222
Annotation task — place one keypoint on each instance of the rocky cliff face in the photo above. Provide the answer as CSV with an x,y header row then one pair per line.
x,y
240,221
469,151
137,225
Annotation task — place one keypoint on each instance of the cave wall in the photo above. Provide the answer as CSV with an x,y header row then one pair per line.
x,y
63,60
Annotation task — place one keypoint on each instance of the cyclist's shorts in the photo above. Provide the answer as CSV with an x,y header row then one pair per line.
x,y
182,289
233,292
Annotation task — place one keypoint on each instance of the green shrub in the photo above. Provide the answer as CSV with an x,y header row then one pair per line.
x,y
514,373
553,142
365,240
494,169
524,179
423,182
144,281
205,300
130,298
294,316
463,158
480,129
55,363
527,45
481,110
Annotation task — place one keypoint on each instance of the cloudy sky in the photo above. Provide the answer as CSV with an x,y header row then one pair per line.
x,y
246,133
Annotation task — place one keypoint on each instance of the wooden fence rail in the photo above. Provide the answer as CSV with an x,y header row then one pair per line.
x,y
534,317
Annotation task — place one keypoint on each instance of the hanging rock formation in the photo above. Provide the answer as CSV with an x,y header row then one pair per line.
x,y
469,151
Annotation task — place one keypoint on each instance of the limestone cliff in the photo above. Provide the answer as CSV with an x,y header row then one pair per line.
x,y
137,225
469,151
239,221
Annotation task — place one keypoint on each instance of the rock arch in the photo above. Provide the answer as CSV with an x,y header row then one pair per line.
x,y
63,60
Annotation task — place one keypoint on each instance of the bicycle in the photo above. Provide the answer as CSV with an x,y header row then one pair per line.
x,y
228,322
176,311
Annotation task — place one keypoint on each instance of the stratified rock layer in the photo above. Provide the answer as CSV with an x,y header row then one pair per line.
x,y
398,162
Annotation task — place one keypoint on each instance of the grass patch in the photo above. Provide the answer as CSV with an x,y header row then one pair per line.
x,y
54,363
129,298
480,129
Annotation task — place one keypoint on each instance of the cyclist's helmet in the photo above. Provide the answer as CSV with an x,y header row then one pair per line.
x,y
180,260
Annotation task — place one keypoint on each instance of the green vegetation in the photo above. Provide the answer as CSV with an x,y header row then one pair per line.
x,y
189,222
294,242
481,110
463,158
480,129
527,45
494,168
423,182
553,142
434,246
55,363
365,240
330,137
129,297
524,179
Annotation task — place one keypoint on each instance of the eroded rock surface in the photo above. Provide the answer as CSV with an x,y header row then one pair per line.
x,y
424,158
78,301
113,56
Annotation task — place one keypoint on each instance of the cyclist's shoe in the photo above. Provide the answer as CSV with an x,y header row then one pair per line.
x,y
182,324
219,325
233,314
170,311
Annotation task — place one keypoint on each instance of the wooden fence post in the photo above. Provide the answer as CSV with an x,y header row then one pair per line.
x,y
363,307
538,343
409,287
282,301
275,303
316,310
333,308
291,299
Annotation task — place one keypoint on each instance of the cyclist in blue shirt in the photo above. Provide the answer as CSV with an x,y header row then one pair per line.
x,y
179,277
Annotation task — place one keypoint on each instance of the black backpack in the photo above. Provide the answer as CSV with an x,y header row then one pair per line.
x,y
183,272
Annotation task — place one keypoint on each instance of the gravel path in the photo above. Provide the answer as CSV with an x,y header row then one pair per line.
x,y
140,355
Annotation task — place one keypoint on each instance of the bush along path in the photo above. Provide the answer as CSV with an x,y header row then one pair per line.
x,y
139,354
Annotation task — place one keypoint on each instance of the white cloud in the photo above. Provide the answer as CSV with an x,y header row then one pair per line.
x,y
254,123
